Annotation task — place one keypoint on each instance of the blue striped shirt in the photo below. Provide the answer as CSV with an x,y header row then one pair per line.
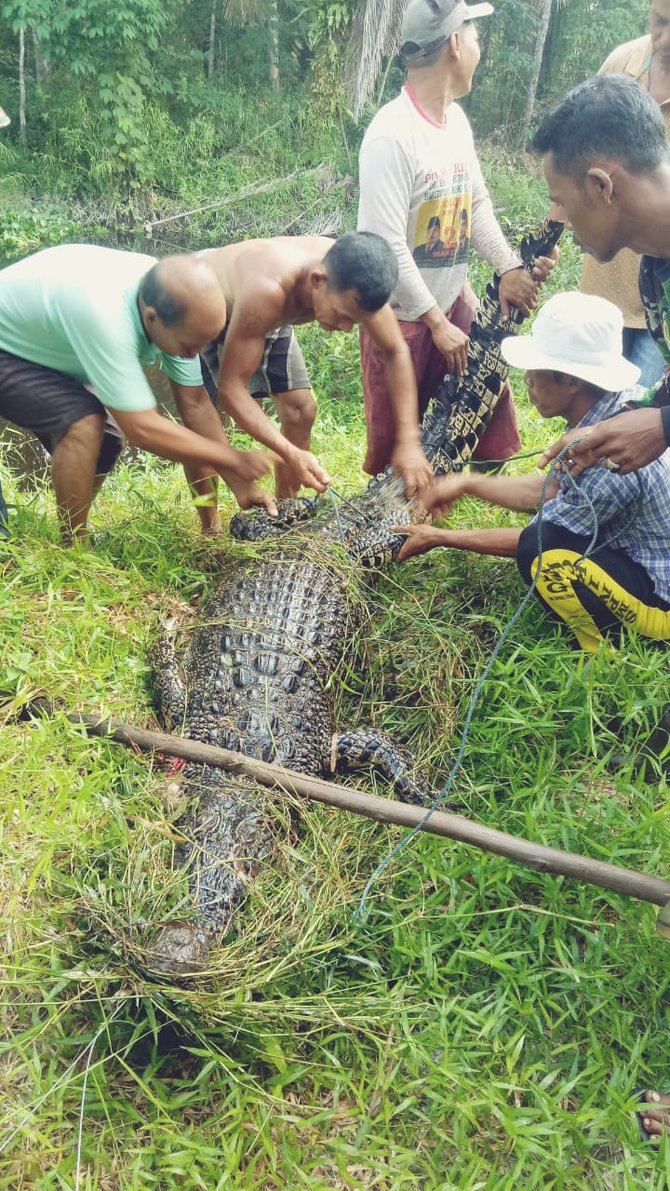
x,y
633,511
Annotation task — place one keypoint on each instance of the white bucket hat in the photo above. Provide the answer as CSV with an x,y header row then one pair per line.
x,y
578,334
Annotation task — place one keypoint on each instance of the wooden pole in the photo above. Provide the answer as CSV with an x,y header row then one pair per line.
x,y
550,860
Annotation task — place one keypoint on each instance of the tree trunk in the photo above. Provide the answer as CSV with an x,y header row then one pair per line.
x,y
212,43
550,55
42,64
487,29
382,86
273,72
545,13
22,86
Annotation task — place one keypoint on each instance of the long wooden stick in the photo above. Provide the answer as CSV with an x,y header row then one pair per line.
x,y
552,860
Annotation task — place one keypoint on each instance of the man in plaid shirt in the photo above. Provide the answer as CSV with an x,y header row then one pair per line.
x,y
604,539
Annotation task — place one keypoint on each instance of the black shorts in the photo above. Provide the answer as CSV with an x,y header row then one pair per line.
x,y
282,369
49,403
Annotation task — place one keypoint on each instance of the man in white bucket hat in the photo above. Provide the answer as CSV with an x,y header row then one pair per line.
x,y
574,368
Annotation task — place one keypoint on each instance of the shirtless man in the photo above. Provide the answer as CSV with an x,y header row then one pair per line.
x,y
271,285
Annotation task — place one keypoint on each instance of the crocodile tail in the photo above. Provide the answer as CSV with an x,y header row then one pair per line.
x,y
540,241
464,405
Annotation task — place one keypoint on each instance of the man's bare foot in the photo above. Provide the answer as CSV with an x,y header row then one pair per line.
x,y
78,541
656,1120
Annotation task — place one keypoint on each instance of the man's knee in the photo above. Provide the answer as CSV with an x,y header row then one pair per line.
x,y
84,433
536,542
526,552
94,437
296,409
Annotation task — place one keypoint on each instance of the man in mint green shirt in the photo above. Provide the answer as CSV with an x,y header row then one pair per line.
x,y
76,325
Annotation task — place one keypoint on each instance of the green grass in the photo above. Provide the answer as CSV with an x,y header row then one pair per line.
x,y
484,1028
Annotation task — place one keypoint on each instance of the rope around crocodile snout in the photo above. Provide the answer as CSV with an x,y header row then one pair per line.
x,y
361,912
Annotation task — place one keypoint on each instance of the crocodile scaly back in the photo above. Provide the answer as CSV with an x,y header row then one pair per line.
x,y
258,674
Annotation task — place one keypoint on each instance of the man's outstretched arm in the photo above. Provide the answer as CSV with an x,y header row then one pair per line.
x,y
521,494
502,543
631,440
241,356
150,431
408,459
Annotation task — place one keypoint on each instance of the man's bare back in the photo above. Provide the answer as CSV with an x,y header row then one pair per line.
x,y
269,273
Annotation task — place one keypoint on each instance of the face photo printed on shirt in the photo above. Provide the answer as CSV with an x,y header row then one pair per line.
x,y
442,232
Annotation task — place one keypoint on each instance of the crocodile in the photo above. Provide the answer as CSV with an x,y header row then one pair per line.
x,y
257,675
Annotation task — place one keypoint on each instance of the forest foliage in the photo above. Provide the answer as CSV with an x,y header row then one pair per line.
x,y
126,113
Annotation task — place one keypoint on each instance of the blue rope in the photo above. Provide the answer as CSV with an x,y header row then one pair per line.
x,y
360,912
358,511
457,468
333,497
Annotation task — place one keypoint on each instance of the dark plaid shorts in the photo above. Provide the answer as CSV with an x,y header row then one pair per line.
x,y
282,369
49,403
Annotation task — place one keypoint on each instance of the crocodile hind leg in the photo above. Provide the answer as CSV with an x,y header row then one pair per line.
x,y
168,683
368,746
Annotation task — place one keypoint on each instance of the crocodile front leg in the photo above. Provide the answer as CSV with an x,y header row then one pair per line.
x,y
168,683
368,746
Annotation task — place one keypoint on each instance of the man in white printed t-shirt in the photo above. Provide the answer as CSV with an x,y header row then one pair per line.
x,y
421,187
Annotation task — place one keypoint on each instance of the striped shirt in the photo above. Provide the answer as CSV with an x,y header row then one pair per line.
x,y
633,511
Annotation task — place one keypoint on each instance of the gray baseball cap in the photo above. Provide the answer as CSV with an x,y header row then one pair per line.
x,y
427,24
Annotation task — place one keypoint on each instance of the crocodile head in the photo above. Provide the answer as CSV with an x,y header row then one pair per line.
x,y
180,949
225,838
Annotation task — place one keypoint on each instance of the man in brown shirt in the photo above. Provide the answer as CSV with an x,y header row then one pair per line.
x,y
647,60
